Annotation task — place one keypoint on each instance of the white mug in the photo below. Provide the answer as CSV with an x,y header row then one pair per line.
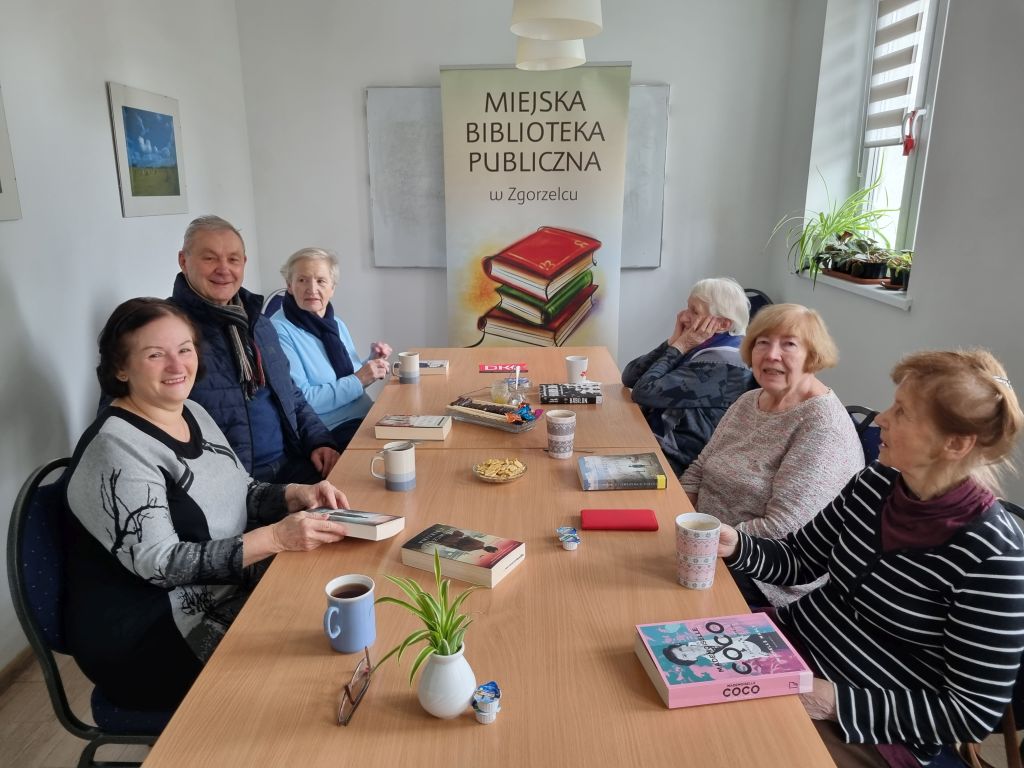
x,y
407,367
576,368
399,459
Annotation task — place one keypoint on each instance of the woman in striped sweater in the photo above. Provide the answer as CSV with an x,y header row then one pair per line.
x,y
917,634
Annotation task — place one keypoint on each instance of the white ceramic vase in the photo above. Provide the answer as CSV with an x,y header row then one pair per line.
x,y
446,685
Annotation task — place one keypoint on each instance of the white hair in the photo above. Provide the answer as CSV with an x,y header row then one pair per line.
x,y
725,298
311,254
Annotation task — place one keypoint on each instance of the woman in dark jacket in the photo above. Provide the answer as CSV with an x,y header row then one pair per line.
x,y
686,384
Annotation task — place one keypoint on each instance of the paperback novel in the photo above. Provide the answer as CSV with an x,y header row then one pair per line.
x,y
584,392
410,427
366,525
473,556
621,472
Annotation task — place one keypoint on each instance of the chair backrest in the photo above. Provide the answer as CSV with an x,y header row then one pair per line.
x,y
273,302
868,432
758,299
35,573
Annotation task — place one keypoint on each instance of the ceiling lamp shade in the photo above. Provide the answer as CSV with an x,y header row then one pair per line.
x,y
556,19
540,55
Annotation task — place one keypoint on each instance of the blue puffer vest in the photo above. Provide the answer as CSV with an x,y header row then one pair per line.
x,y
220,392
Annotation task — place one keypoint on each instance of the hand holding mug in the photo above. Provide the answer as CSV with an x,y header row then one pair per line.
x,y
728,540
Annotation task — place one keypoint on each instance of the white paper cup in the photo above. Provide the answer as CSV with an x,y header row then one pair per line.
x,y
561,426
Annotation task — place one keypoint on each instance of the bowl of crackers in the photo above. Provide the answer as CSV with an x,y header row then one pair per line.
x,y
499,470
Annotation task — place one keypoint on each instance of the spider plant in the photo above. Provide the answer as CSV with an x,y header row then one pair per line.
x,y
443,626
809,234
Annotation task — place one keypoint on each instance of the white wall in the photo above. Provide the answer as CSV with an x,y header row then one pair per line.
x,y
968,268
306,65
72,257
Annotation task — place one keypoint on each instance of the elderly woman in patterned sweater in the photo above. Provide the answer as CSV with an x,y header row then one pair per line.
x,y
783,451
917,635
165,522
685,385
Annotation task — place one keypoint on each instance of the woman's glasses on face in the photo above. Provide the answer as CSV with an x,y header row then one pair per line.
x,y
355,689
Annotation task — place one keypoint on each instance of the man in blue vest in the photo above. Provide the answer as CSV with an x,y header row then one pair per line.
x,y
247,387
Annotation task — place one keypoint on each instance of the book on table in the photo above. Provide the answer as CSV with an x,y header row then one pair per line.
x,y
713,660
544,262
409,427
479,558
535,310
499,322
620,472
582,392
365,525
433,367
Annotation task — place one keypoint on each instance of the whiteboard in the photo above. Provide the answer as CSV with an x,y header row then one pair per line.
x,y
405,143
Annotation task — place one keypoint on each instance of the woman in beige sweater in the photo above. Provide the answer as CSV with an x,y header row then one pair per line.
x,y
785,450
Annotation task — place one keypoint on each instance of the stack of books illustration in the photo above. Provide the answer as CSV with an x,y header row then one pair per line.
x,y
546,287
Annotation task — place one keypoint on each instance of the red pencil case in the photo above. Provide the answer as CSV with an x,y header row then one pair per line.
x,y
618,520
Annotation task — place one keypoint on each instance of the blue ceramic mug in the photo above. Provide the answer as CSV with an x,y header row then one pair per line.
x,y
349,621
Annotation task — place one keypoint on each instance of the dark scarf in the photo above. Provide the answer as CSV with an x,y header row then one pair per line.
x,y
325,329
724,339
909,523
235,321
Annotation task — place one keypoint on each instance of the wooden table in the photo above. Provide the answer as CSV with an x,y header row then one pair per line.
x,y
557,634
617,421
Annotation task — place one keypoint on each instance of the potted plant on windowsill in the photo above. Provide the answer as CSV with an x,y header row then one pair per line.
x,y
899,269
862,258
446,686
811,235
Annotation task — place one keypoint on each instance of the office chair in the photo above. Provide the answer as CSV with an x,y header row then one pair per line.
x,y
35,572
869,433
273,302
757,299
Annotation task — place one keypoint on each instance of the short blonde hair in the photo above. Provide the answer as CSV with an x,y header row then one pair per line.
x,y
794,320
967,392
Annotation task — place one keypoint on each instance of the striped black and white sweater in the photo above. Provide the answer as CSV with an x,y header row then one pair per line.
x,y
923,645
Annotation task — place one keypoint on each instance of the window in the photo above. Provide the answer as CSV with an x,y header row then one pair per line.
x,y
899,90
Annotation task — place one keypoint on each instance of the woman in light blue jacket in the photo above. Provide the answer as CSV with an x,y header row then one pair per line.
x,y
323,358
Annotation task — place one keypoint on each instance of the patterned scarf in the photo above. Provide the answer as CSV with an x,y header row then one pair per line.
x,y
325,329
235,321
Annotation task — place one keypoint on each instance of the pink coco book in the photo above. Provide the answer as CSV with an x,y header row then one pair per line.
x,y
714,660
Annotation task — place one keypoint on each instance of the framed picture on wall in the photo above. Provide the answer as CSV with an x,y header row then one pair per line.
x,y
10,206
148,150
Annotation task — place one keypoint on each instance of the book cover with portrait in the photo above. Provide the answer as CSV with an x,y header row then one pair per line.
x,y
474,556
728,658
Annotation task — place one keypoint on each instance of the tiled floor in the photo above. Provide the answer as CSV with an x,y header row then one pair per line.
x,y
31,737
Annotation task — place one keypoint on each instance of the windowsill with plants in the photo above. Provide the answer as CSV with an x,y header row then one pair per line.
x,y
844,247
893,298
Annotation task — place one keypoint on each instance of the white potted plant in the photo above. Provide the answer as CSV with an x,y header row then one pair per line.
x,y
446,686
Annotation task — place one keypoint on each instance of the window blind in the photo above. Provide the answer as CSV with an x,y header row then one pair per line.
x,y
895,64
